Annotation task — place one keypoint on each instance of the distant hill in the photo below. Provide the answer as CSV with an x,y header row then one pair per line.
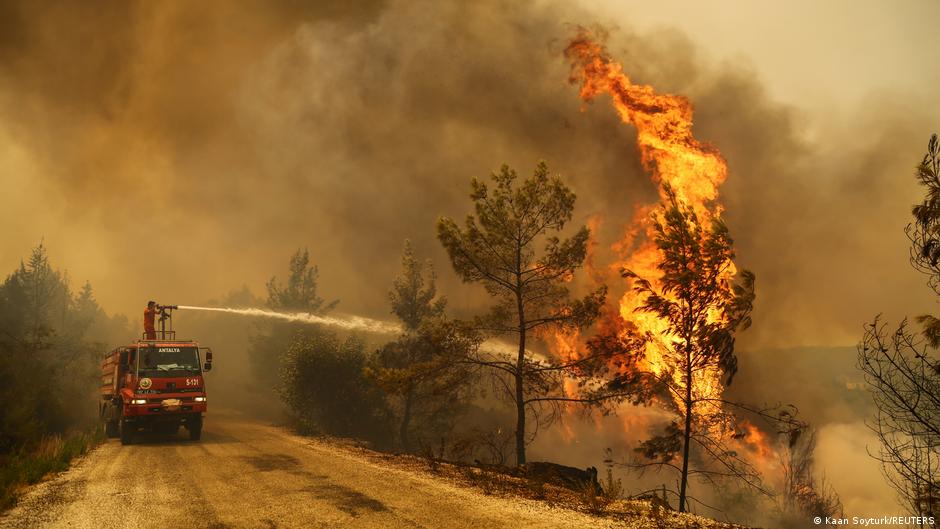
x,y
822,382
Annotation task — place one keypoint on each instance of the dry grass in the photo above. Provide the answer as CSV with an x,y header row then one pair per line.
x,y
537,487
597,501
506,482
52,454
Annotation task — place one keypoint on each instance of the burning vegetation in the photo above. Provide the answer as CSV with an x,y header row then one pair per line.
x,y
676,324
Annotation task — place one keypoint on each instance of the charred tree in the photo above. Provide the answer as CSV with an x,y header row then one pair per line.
x,y
804,496
904,378
902,370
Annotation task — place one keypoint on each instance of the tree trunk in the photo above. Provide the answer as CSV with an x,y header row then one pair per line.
x,y
405,420
687,433
520,366
520,401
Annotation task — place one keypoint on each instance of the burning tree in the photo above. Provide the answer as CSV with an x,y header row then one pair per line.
x,y
702,308
902,370
676,326
497,247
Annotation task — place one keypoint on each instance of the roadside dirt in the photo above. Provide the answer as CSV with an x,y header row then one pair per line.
x,y
244,474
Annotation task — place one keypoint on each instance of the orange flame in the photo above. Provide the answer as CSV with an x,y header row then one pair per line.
x,y
695,172
663,122
673,156
757,441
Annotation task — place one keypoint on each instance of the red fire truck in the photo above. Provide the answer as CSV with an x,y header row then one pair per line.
x,y
155,385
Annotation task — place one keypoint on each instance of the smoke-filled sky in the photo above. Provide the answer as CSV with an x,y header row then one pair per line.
x,y
178,150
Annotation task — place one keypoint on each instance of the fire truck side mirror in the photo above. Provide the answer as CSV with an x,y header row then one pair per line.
x,y
208,365
125,361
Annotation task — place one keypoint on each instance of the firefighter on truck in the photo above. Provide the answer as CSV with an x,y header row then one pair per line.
x,y
150,313
155,384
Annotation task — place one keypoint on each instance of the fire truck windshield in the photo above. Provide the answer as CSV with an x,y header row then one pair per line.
x,y
157,362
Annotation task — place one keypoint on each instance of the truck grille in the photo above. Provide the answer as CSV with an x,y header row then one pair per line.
x,y
160,400
158,409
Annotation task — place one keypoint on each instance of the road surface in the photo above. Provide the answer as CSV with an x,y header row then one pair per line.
x,y
247,474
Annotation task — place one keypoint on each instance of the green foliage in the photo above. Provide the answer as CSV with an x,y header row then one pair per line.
x,y
421,371
273,338
300,292
924,232
48,359
662,447
497,247
324,385
49,353
426,381
412,295
903,372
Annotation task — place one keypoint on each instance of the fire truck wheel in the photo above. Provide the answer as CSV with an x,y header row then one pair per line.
x,y
126,432
195,429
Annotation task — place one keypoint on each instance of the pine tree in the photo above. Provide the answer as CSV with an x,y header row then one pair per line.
x,y
422,369
704,310
497,247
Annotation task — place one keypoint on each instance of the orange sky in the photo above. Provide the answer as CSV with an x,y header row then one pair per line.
x,y
177,152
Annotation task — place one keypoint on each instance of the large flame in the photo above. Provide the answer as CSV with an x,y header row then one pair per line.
x,y
695,172
673,157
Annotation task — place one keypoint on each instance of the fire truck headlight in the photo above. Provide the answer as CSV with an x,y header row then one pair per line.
x,y
139,401
200,399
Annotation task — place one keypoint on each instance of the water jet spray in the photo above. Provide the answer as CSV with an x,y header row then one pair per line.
x,y
352,323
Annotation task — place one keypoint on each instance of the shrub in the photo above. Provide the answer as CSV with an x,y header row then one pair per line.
x,y
323,384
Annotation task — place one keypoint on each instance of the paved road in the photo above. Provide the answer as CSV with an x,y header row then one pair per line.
x,y
247,474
